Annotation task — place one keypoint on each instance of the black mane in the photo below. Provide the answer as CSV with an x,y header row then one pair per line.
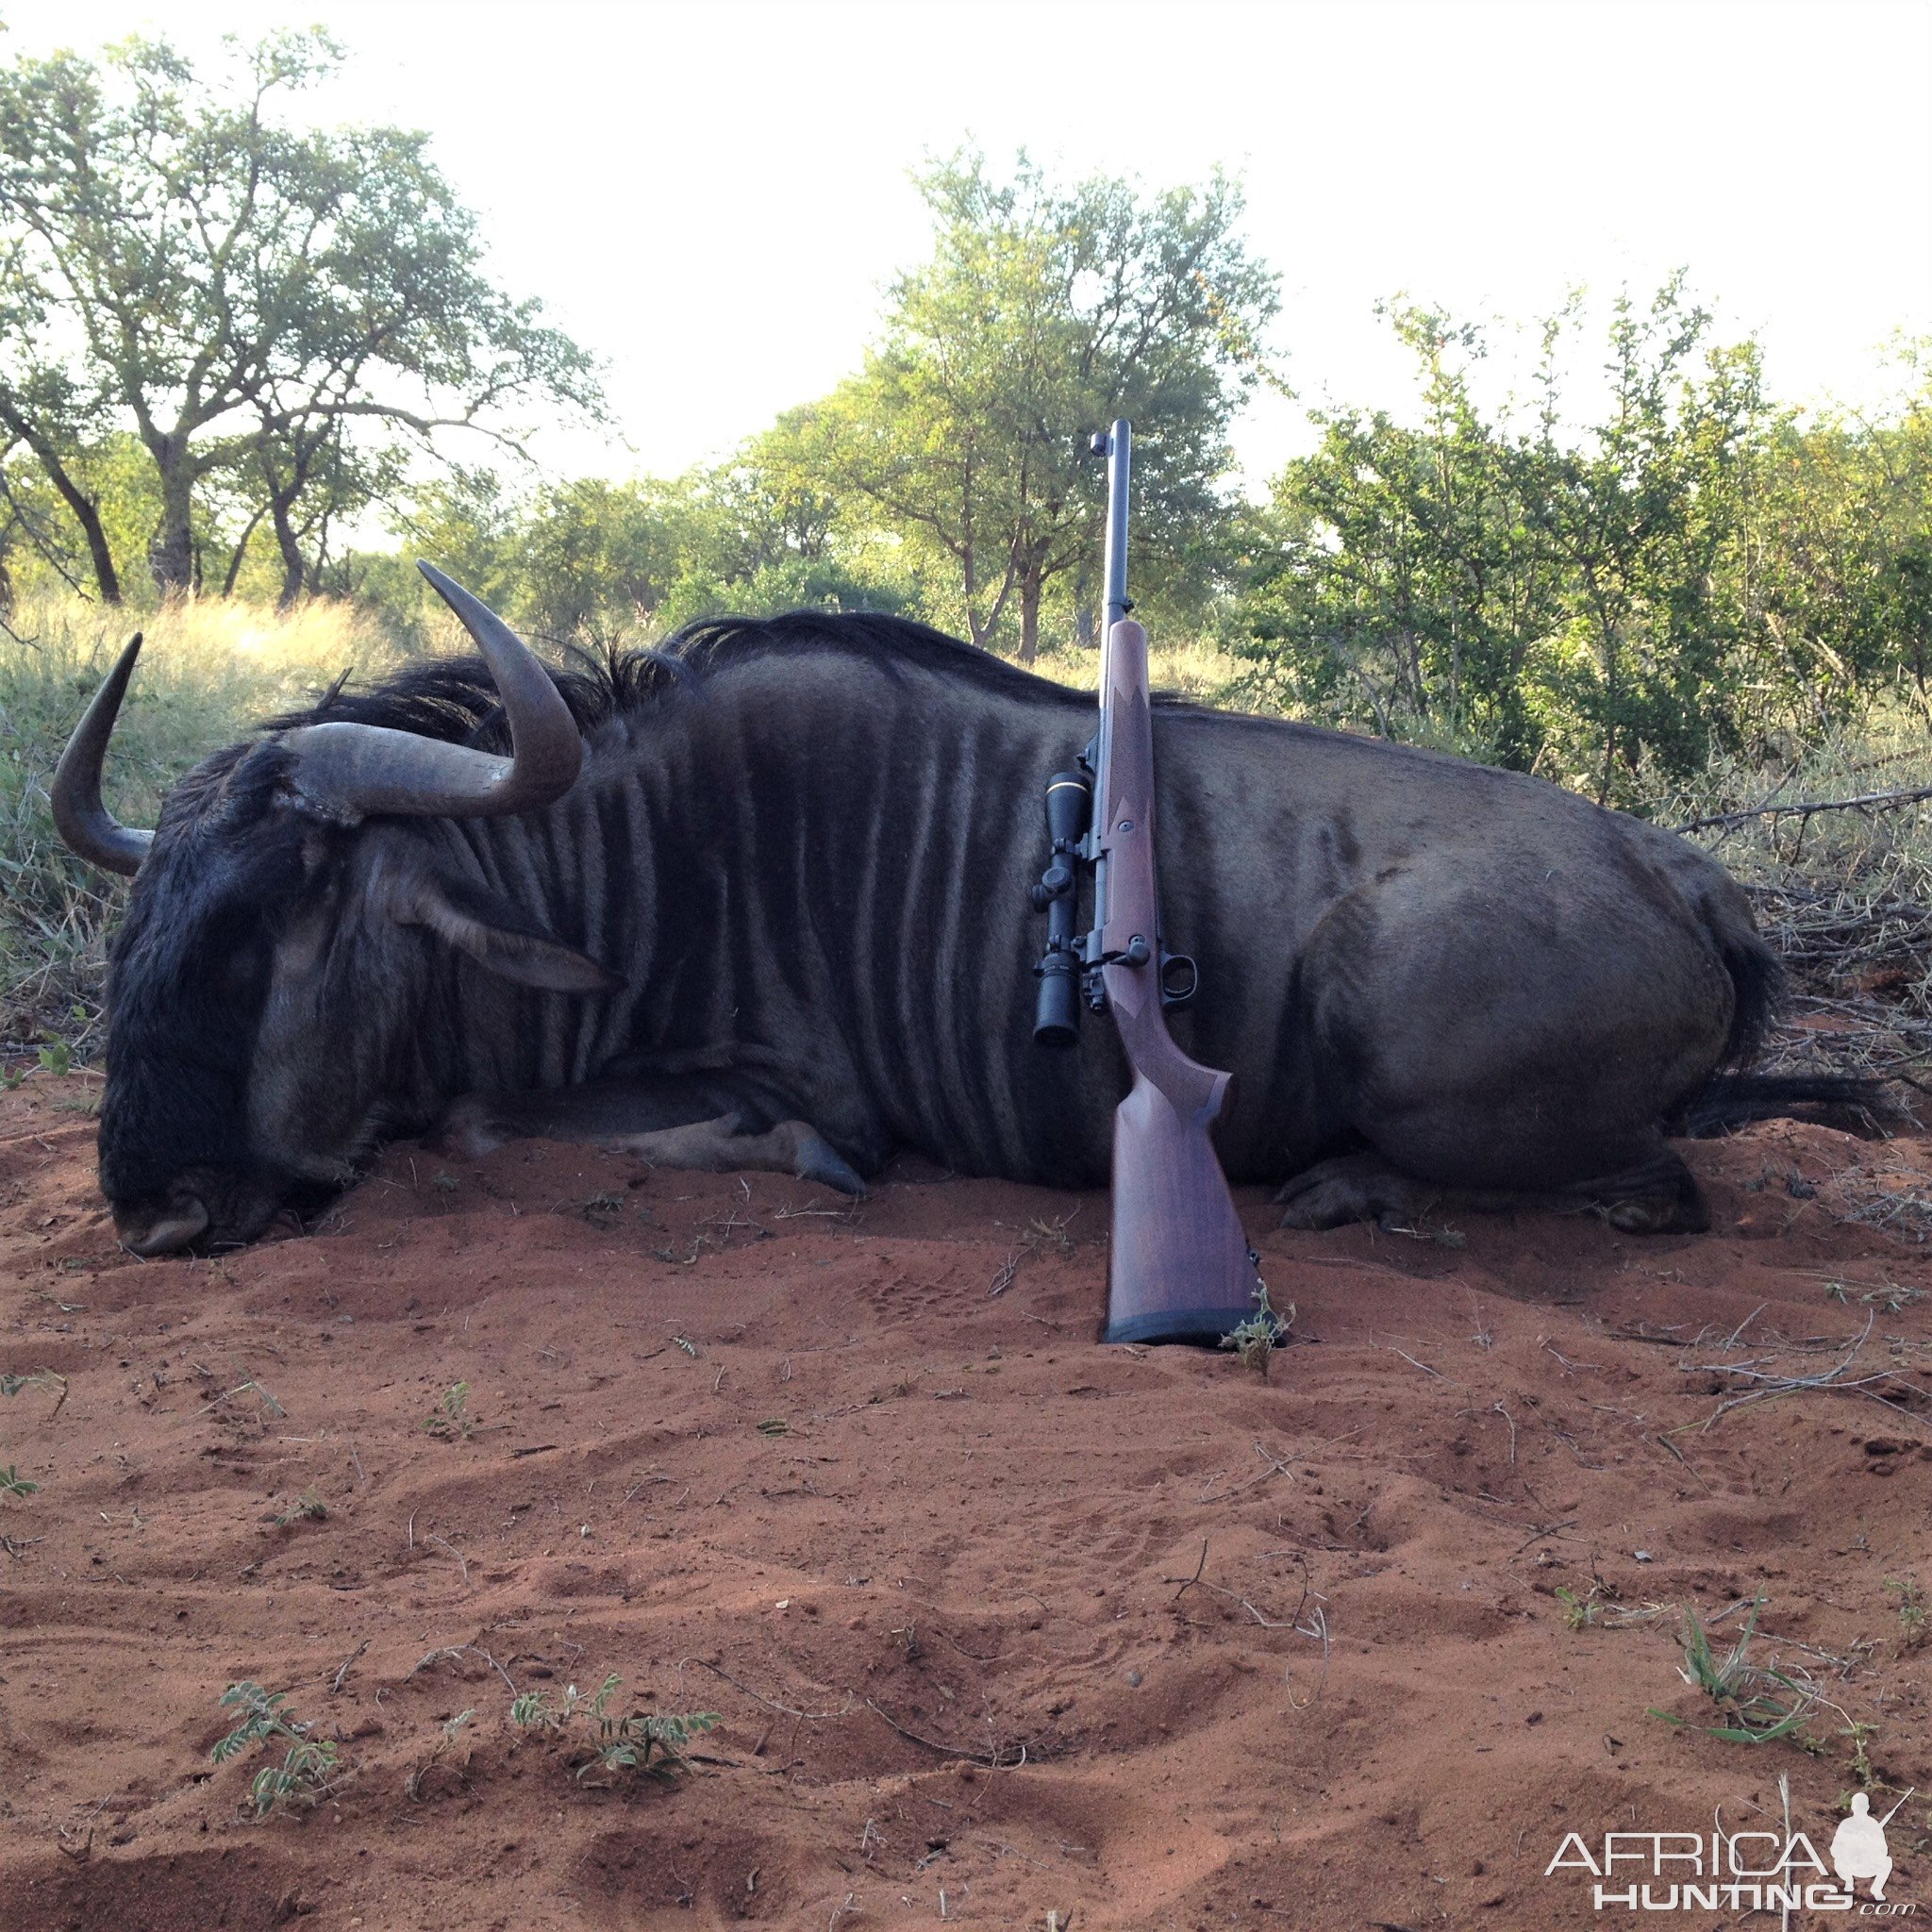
x,y
454,698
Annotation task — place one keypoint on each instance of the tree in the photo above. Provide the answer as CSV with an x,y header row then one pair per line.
x,y
1649,516
1579,598
306,481
1043,314
1845,583
44,412
1398,578
242,295
600,562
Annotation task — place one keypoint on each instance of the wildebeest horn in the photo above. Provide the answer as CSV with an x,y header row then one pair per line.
x,y
85,824
368,769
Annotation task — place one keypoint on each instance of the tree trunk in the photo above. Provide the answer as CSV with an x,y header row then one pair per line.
x,y
1031,584
88,516
171,551
86,512
293,569
241,544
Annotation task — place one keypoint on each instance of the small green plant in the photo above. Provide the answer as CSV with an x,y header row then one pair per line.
x,y
449,1420
1760,1705
13,1484
270,1408
1257,1339
1888,1296
1862,1735
444,1183
11,1077
307,1764
1579,1612
641,1741
1911,1609
310,1508
56,1058
37,1378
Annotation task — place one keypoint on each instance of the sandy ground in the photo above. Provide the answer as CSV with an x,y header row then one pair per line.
x,y
865,1485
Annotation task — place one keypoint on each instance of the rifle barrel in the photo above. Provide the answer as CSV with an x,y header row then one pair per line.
x,y
1120,448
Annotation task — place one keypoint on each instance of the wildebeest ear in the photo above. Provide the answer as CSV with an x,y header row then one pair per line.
x,y
502,938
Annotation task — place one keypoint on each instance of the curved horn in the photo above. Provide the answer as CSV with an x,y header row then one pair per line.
x,y
85,824
368,769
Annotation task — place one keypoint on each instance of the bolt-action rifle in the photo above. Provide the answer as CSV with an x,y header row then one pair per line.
x,y
1180,1268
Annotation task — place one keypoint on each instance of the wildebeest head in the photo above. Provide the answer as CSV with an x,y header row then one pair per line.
x,y
264,981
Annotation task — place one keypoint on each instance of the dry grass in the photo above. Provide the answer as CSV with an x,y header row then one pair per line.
x,y
1843,893
1189,668
208,670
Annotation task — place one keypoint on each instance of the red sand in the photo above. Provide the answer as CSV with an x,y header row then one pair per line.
x,y
968,1543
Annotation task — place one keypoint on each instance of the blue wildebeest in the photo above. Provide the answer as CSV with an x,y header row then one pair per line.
x,y
758,900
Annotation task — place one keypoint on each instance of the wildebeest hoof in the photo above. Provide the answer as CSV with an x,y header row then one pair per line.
x,y
1351,1187
818,1160
469,1128
1654,1214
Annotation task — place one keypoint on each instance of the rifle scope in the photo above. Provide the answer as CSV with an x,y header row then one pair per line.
x,y
1056,1011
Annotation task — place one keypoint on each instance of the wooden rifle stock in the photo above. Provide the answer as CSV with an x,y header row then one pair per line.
x,y
1181,1267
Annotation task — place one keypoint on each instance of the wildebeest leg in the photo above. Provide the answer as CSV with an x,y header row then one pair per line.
x,y
670,1122
1657,1196
722,1146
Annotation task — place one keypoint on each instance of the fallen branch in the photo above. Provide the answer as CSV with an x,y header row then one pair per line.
x,y
459,1650
992,1759
1869,801
335,1683
1769,1384
783,1710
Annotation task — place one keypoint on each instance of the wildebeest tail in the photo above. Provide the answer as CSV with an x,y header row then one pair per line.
x,y
1735,1100
1758,983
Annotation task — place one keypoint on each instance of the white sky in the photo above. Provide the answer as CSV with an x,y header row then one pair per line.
x,y
713,196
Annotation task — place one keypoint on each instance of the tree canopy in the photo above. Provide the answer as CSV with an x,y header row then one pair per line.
x,y
1608,601
265,309
1044,313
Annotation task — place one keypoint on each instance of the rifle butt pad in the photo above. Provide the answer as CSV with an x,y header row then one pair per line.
x,y
1179,1268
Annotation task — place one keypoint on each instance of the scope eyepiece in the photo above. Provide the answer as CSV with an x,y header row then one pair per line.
x,y
1057,1009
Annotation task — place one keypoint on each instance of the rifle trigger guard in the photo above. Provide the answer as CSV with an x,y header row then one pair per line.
x,y
1181,978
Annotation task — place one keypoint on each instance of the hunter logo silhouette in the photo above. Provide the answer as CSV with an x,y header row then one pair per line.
x,y
1858,1849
